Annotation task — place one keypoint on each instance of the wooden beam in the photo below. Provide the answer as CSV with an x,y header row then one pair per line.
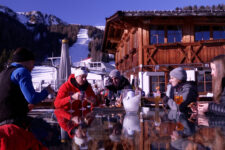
x,y
114,40
111,51
195,54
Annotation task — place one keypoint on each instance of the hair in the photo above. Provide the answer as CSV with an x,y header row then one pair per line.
x,y
22,54
217,85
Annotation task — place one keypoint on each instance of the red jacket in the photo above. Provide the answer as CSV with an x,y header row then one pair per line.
x,y
64,119
13,137
63,97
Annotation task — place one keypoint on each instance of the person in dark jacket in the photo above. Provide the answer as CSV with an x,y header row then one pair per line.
x,y
118,82
16,88
17,93
115,84
217,107
186,89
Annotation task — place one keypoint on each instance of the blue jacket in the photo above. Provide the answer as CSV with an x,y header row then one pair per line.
x,y
22,77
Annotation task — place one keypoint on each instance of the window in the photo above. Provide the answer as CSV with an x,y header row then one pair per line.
x,y
157,81
218,32
157,35
202,33
174,34
204,82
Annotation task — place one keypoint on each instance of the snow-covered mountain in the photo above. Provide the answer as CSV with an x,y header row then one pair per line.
x,y
32,17
100,27
8,11
36,17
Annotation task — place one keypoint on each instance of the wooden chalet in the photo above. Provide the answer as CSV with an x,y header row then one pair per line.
x,y
148,44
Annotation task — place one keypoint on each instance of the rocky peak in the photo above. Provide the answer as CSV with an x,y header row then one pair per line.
x,y
36,17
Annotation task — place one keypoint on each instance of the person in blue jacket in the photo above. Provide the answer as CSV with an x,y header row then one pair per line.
x,y
17,90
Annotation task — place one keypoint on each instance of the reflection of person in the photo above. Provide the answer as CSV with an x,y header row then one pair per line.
x,y
116,83
116,132
74,124
17,90
71,121
81,138
184,128
204,140
217,65
74,90
211,120
187,89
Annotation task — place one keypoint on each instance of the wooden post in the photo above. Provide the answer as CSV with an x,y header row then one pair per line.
x,y
140,47
166,78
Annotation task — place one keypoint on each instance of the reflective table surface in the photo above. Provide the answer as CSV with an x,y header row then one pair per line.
x,y
113,128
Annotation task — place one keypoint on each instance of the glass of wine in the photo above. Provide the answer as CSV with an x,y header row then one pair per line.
x,y
178,100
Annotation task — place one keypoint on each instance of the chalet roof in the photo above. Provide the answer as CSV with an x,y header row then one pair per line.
x,y
170,13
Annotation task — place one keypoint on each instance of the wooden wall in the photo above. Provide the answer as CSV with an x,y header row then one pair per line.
x,y
135,50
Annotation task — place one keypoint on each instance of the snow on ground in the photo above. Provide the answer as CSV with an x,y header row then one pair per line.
x,y
42,76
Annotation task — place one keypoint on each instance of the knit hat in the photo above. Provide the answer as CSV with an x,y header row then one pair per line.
x,y
179,73
22,54
115,74
80,71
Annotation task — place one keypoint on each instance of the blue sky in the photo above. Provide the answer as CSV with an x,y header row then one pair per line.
x,y
94,12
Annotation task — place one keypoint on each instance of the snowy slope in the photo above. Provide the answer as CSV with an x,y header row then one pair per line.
x,y
47,75
79,50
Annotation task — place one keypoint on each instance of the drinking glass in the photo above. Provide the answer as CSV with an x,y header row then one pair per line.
x,y
178,99
82,98
157,119
156,99
71,109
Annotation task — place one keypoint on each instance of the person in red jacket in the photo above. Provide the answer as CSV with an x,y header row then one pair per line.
x,y
70,122
76,92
